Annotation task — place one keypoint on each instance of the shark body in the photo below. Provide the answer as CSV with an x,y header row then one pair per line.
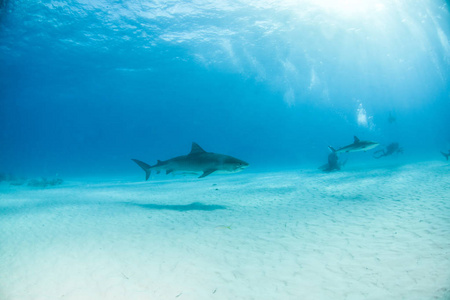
x,y
198,160
357,145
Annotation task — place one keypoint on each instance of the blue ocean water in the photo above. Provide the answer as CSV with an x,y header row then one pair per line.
x,y
87,85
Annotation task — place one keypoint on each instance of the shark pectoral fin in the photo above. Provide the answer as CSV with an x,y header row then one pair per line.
x,y
207,172
169,171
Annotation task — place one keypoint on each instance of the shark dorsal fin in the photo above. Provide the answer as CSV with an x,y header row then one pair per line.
x,y
196,149
356,139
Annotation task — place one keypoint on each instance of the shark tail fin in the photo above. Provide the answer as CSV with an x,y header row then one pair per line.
x,y
445,154
332,149
144,167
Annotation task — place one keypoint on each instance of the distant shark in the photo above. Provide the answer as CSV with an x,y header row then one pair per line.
x,y
391,118
356,146
333,163
198,160
446,154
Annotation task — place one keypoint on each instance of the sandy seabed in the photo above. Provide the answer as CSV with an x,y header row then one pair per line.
x,y
361,234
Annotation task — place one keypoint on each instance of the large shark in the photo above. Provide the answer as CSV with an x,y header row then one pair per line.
x,y
356,146
198,160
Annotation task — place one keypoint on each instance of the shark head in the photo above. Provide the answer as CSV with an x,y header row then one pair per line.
x,y
367,145
233,165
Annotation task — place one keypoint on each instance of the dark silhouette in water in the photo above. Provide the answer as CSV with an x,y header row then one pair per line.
x,y
446,154
391,118
333,163
390,149
41,182
44,182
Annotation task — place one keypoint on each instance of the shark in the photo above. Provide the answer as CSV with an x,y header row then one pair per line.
x,y
391,118
446,154
333,163
198,160
357,145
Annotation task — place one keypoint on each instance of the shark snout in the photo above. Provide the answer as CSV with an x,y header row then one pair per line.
x,y
242,165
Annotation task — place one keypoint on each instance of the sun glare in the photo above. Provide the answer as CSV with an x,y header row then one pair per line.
x,y
349,8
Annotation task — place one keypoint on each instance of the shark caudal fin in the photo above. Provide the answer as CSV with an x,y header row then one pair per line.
x,y
446,154
331,149
144,167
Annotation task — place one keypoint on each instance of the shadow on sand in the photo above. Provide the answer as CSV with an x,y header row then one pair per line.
x,y
48,205
186,207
